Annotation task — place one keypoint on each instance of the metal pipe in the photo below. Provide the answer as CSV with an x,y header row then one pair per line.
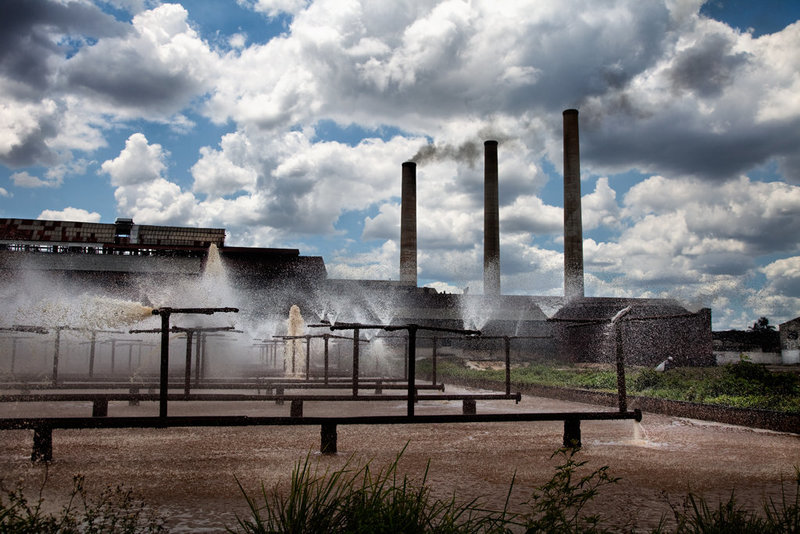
x,y
507,341
187,372
164,369
92,345
412,368
356,334
622,393
56,356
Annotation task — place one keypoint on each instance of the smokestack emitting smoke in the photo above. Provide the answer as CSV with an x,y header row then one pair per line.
x,y
491,222
573,226
408,225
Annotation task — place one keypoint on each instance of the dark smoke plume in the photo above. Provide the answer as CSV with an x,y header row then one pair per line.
x,y
468,152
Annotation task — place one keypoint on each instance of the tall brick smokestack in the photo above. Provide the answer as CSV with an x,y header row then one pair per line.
x,y
408,225
491,222
573,226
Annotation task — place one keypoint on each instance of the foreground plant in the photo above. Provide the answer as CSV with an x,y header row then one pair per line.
x,y
696,516
357,499
115,510
558,505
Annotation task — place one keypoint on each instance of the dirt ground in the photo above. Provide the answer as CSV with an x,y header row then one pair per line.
x,y
189,474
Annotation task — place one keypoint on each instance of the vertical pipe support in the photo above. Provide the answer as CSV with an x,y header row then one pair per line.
x,y
42,443
622,390
507,342
328,438
433,358
308,357
468,407
572,433
92,345
326,337
56,356
356,336
164,368
412,368
296,408
187,371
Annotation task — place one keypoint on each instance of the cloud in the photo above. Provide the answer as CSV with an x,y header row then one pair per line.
x,y
740,216
779,298
25,129
153,73
600,208
273,8
70,214
24,179
707,67
32,38
4,193
138,163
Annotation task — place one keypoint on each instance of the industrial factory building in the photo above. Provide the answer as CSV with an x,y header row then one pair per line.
x,y
121,255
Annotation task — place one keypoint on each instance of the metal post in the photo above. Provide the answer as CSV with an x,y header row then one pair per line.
x,y
14,354
507,341
164,375
91,353
187,378
622,393
356,335
328,438
197,361
572,433
296,408
308,357
203,358
55,356
42,444
294,353
412,368
433,357
326,337
405,362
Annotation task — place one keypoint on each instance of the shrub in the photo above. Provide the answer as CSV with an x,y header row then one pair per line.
x,y
358,500
557,506
114,510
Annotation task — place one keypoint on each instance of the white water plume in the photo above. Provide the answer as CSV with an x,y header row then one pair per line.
x,y
294,356
91,312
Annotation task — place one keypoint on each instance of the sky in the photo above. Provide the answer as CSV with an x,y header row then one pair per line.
x,y
286,122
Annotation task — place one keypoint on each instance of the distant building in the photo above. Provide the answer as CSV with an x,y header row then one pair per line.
x,y
730,346
790,346
129,259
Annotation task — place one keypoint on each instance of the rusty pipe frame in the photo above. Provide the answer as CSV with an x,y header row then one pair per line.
x,y
412,350
165,313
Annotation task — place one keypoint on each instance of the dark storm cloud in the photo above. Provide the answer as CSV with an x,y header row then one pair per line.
x,y
33,149
673,143
26,35
707,68
126,84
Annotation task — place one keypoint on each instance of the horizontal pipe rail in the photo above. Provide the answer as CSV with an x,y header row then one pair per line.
x,y
90,397
246,420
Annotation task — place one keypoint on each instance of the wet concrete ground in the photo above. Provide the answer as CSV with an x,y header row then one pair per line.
x,y
189,474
